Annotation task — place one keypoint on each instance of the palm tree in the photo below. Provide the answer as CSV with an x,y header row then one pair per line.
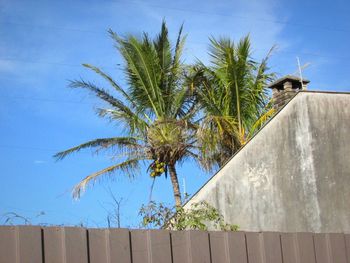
x,y
155,109
233,95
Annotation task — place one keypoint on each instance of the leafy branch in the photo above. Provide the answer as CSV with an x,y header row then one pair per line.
x,y
198,217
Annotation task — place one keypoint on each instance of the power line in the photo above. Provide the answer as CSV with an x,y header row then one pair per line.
x,y
28,148
193,42
188,11
314,55
237,16
40,62
118,65
50,27
344,59
44,100
54,63
179,9
31,148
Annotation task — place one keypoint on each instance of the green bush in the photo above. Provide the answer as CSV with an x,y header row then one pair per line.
x,y
198,216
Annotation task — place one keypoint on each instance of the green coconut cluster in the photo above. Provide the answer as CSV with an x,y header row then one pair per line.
x,y
157,168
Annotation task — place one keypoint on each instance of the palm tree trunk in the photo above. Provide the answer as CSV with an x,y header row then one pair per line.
x,y
175,183
238,109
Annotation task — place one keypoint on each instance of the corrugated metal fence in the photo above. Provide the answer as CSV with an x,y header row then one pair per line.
x,y
34,244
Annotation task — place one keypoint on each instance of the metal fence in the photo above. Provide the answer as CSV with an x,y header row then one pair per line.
x,y
34,244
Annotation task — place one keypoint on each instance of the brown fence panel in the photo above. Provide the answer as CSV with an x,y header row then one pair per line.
x,y
330,248
54,245
219,247
321,248
236,242
8,246
76,245
33,244
120,250
99,246
140,246
298,247
289,249
337,248
271,247
305,247
180,246
347,244
228,247
254,249
30,246
190,246
264,247
199,244
160,246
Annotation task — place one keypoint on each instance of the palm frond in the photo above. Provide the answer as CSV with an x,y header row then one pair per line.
x,y
141,62
118,105
180,41
122,142
176,66
162,47
261,121
127,166
111,82
131,121
101,93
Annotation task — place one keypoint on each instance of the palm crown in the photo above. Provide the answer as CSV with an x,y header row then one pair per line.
x,y
232,93
155,109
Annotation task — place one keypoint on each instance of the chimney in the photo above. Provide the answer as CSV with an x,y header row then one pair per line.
x,y
284,89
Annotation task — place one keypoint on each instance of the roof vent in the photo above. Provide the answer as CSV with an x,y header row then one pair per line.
x,y
284,89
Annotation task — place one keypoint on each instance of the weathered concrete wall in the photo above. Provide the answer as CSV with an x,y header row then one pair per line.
x,y
294,175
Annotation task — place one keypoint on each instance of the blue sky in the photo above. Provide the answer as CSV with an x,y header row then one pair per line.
x,y
42,45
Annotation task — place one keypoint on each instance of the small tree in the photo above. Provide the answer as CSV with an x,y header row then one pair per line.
x,y
199,216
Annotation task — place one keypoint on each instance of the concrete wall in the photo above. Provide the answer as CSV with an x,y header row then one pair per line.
x,y
294,175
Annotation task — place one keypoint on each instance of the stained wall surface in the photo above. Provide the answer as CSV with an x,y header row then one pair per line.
x,y
294,175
